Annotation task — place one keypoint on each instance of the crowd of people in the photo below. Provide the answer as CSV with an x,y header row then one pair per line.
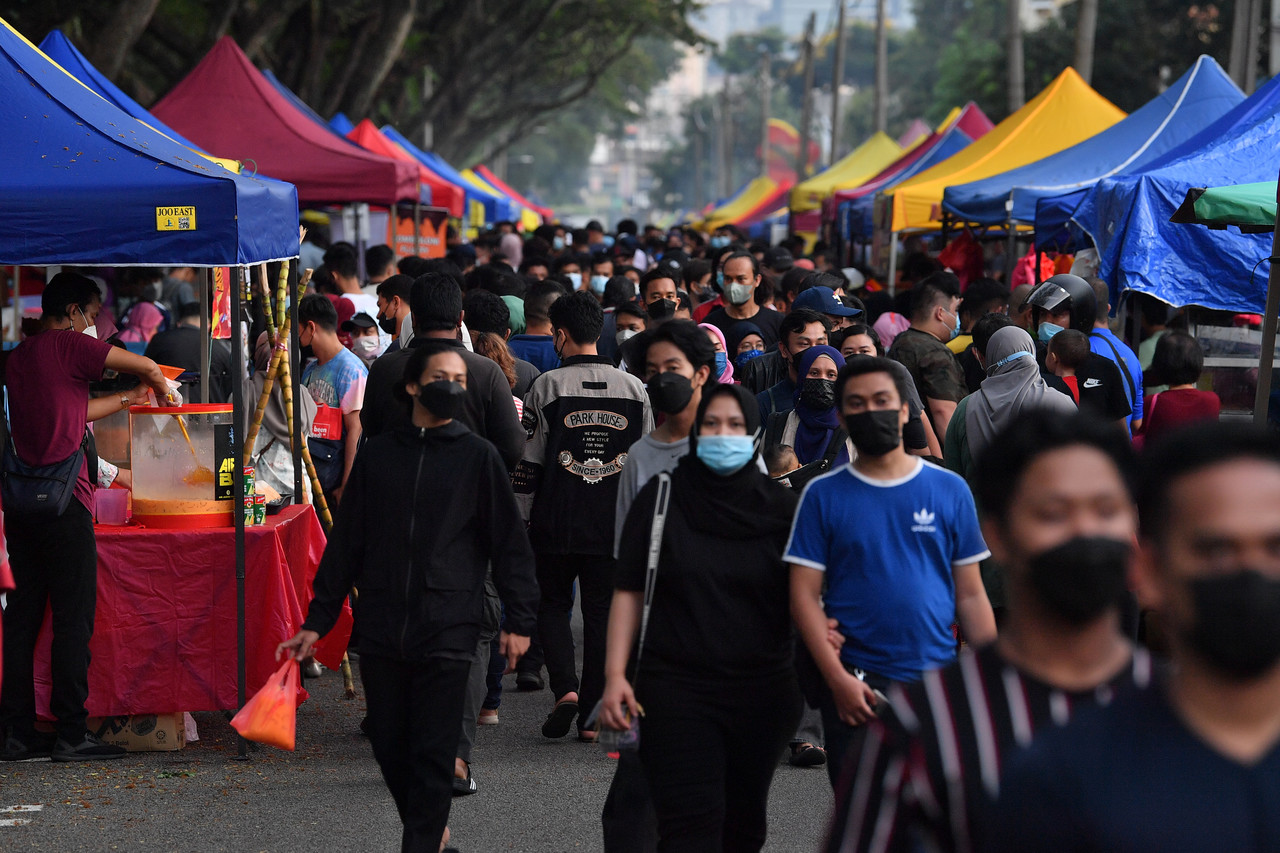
x,y
1004,574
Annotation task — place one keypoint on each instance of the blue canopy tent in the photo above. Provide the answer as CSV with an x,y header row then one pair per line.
x,y
1199,97
1127,216
60,49
496,207
86,183
855,219
341,125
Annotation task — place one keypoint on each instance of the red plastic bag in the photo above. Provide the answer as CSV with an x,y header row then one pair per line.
x,y
271,716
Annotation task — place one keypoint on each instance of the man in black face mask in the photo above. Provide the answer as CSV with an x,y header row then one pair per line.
x,y
1194,765
428,510
1058,514
889,547
393,307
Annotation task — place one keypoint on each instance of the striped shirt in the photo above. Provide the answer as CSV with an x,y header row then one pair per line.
x,y
930,766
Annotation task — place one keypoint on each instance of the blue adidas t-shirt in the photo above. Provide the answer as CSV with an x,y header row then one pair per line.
x,y
888,548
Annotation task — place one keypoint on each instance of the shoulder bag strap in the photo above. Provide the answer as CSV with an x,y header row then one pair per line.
x,y
655,551
1122,364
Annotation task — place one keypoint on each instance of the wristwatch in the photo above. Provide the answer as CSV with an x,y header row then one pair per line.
x,y
124,401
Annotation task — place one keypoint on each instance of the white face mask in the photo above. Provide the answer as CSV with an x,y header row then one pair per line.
x,y
625,335
368,348
89,328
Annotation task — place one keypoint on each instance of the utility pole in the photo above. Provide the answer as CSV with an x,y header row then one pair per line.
x,y
882,67
837,77
1252,46
1239,41
726,142
1017,74
1275,39
699,132
766,99
806,108
1086,33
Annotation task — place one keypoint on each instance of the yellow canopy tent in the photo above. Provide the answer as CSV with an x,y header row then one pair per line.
x,y
750,198
1066,112
854,169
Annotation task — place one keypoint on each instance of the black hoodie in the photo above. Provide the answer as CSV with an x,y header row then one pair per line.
x,y
424,513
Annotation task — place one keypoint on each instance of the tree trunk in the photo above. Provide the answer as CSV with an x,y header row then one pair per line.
x,y
1017,73
397,20
123,28
1086,33
806,110
837,80
267,25
355,58
882,70
1237,60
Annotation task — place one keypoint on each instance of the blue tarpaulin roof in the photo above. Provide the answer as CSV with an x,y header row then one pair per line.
x,y
496,208
1140,249
1200,96
84,182
341,125
856,218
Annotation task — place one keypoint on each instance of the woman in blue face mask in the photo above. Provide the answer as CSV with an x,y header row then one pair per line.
x,y
723,372
716,662
744,342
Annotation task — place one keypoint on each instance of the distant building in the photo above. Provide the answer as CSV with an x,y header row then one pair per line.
x,y
720,19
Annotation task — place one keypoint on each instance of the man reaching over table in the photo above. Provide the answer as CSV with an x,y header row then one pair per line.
x,y
55,561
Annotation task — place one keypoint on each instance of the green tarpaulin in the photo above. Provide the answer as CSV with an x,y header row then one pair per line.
x,y
1250,207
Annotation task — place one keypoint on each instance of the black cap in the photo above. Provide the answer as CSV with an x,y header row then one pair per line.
x,y
360,320
778,259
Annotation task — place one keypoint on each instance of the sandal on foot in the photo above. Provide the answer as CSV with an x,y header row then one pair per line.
x,y
588,735
561,718
807,755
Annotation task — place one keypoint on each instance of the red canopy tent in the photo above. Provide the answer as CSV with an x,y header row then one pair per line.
x,y
443,193
546,213
227,106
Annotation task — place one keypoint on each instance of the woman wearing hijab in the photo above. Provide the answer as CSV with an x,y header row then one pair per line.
x,y
142,323
1013,386
512,247
813,427
744,342
723,371
716,680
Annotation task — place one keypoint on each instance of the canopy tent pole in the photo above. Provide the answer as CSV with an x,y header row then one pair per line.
x,y
893,263
1011,247
295,373
417,228
237,489
1262,397
206,279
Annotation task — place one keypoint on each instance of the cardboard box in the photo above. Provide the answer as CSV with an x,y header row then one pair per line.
x,y
142,732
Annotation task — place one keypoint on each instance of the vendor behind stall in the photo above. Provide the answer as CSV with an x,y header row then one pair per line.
x,y
54,560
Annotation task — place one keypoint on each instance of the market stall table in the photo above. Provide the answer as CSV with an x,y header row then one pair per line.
x,y
165,632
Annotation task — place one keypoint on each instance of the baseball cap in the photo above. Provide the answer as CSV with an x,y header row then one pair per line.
x,y
824,301
778,258
360,320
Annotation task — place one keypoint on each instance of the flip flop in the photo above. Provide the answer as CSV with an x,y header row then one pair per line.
x,y
560,720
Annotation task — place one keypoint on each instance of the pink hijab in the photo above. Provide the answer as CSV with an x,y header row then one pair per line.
x,y
726,378
513,247
888,326
143,320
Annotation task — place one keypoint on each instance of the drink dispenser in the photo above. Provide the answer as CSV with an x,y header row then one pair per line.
x,y
183,467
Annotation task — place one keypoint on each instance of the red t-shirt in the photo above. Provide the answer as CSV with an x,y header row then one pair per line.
x,y
700,313
1074,385
48,377
1169,409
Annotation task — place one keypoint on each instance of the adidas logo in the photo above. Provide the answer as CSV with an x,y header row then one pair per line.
x,y
923,521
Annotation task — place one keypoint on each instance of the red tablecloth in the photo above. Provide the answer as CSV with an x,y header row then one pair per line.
x,y
164,638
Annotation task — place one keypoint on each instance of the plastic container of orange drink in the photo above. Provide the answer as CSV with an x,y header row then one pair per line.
x,y
183,468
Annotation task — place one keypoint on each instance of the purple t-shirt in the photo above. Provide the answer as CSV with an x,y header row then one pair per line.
x,y
48,377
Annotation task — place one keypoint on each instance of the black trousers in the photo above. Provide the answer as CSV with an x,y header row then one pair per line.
x,y
556,574
709,750
844,742
54,563
414,708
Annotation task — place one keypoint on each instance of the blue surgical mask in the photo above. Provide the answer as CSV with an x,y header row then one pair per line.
x,y
608,241
597,284
575,278
557,243
719,281
744,357
719,241
955,330
722,364
1048,330
726,454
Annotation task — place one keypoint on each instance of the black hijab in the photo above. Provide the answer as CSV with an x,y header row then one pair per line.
x,y
745,504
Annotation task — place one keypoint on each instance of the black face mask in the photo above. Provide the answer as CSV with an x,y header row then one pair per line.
x,y
670,392
1079,579
662,309
874,432
305,354
388,325
795,361
1237,622
818,394
442,398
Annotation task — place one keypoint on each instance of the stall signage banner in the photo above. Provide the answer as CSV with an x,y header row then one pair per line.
x,y
431,234
176,218
225,490
220,319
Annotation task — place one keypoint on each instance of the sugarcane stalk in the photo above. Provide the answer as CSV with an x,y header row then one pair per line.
x,y
282,284
278,354
348,681
267,311
317,494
